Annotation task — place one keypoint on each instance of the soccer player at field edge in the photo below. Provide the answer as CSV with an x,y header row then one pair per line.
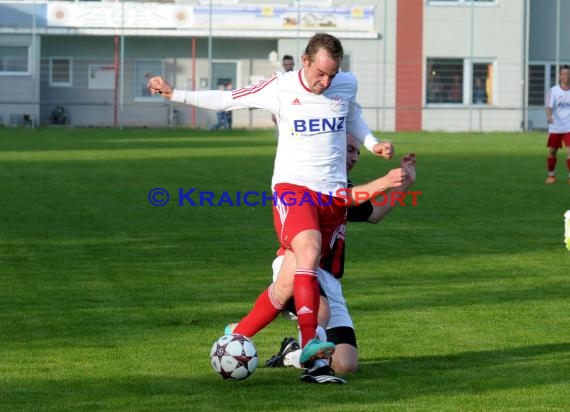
x,y
558,118
315,106
288,64
333,314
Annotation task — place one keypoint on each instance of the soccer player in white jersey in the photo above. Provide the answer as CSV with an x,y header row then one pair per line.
x,y
337,322
314,106
558,117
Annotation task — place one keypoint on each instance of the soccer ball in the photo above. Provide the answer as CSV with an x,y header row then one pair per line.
x,y
234,357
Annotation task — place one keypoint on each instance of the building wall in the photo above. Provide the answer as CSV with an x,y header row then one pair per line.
x,y
497,35
20,92
545,22
543,18
88,107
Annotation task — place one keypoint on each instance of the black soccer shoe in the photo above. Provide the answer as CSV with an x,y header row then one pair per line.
x,y
288,345
324,374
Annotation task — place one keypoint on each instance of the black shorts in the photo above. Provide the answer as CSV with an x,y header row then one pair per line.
x,y
342,334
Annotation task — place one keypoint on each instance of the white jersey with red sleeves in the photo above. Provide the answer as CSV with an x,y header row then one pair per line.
x,y
559,101
311,150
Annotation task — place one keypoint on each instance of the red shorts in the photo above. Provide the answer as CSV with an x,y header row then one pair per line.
x,y
555,140
297,209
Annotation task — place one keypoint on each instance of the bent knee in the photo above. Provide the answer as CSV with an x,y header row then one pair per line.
x,y
345,359
344,367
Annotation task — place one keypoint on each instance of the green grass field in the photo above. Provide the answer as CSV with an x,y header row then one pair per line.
x,y
111,304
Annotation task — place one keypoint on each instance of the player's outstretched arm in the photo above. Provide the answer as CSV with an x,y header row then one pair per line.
x,y
380,210
218,100
364,192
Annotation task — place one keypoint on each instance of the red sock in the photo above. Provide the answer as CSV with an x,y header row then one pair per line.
x,y
264,311
568,164
551,163
306,292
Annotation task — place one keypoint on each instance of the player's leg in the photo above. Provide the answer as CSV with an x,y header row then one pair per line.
x,y
290,352
307,248
331,218
340,328
271,302
320,370
568,162
324,311
289,307
567,144
264,311
551,165
297,226
345,359
553,144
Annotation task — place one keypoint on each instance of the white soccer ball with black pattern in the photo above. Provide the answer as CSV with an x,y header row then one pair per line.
x,y
234,357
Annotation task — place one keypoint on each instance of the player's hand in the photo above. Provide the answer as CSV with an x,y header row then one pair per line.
x,y
550,120
159,85
409,165
396,177
383,149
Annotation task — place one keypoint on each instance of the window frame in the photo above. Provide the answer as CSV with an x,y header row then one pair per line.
x,y
54,83
467,78
543,83
28,70
444,103
551,72
491,97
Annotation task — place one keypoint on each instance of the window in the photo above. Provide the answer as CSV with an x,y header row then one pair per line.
x,y
144,70
444,83
60,71
552,75
482,83
15,60
224,73
458,81
536,85
541,77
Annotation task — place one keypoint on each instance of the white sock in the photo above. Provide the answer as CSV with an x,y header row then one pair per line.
x,y
321,334
292,359
319,363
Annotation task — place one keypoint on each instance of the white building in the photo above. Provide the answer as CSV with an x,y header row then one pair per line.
x,y
453,65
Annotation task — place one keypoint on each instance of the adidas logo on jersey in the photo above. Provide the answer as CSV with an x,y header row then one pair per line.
x,y
296,102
